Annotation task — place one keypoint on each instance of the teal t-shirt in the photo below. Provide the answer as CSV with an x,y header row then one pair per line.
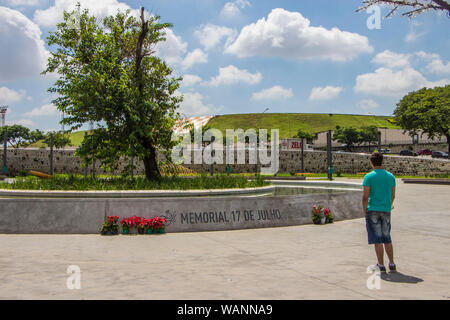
x,y
381,183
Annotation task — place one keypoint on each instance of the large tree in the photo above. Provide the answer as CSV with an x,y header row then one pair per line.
x,y
413,7
60,139
426,110
108,74
368,134
302,134
19,136
348,136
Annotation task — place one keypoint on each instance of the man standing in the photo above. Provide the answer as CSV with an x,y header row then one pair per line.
x,y
378,197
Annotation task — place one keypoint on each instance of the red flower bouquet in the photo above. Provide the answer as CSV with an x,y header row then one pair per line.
x,y
128,223
159,224
321,215
110,226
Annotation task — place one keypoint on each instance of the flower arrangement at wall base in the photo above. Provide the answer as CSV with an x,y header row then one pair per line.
x,y
321,215
159,225
146,226
110,226
129,224
135,224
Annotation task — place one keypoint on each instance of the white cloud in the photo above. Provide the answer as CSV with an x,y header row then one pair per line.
x,y
194,57
367,104
290,35
391,59
413,36
10,96
276,92
190,80
173,49
23,52
233,9
45,110
438,67
326,93
211,35
426,55
17,3
193,105
232,75
22,122
51,16
386,82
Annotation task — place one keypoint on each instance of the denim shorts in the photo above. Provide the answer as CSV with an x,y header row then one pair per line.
x,y
378,225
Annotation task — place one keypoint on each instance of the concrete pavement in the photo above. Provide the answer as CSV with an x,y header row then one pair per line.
x,y
303,262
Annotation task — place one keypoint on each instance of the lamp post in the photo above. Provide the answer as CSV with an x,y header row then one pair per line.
x,y
257,140
3,110
329,155
260,119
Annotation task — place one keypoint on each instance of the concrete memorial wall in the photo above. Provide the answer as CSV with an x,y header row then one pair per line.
x,y
85,216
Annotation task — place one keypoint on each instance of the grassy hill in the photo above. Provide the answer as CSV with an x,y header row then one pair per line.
x,y
286,122
292,122
75,139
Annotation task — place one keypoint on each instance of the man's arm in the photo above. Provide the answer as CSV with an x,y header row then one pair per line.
x,y
365,199
392,197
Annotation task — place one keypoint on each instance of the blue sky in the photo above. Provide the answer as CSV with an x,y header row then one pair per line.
x,y
242,56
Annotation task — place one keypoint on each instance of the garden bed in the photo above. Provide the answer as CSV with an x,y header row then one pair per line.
x,y
80,183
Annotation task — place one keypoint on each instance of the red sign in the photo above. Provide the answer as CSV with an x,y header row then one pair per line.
x,y
296,145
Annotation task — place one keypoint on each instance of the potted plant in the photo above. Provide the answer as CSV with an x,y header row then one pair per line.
x,y
129,223
317,214
110,226
159,225
321,215
145,226
149,226
328,215
125,225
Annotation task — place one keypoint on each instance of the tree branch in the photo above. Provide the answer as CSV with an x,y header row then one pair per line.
x,y
416,5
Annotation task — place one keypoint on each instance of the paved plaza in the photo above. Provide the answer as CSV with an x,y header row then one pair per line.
x,y
301,262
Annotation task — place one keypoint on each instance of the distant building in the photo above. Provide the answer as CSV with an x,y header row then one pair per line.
x,y
388,136
198,122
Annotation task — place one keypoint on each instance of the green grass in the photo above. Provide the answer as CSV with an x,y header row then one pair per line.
x,y
286,122
75,139
310,122
80,183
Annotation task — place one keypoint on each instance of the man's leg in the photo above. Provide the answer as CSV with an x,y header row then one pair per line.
x,y
390,252
380,253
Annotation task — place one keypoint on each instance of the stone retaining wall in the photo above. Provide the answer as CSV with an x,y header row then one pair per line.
x,y
290,161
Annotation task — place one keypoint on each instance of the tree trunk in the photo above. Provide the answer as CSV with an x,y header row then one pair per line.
x,y
151,166
448,145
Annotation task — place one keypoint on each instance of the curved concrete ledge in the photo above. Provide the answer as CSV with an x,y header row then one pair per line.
x,y
131,193
187,214
320,184
427,181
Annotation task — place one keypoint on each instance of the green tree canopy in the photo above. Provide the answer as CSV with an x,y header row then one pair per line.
x,y
19,136
348,136
60,139
368,134
426,110
305,135
108,73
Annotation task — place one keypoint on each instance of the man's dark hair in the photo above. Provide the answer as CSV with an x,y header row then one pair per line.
x,y
377,159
